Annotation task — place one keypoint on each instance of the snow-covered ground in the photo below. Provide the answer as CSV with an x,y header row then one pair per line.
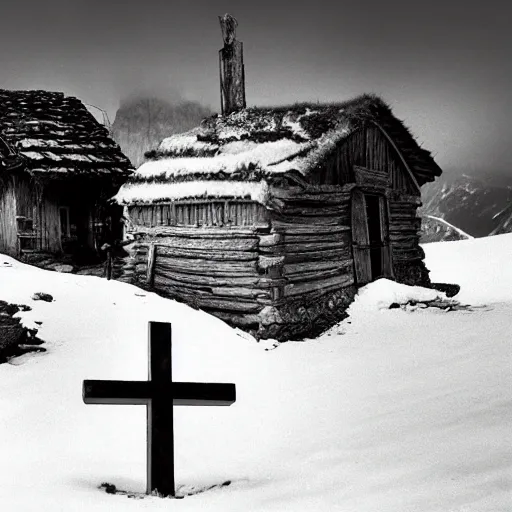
x,y
391,410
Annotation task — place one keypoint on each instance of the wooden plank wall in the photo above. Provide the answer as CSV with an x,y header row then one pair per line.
x,y
232,212
43,210
8,232
366,148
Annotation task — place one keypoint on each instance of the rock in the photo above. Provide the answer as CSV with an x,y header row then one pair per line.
x,y
42,296
13,335
59,267
450,289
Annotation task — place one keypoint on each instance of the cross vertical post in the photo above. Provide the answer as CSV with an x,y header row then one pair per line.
x,y
160,460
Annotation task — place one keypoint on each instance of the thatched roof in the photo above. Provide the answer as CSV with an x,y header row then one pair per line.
x,y
256,144
57,136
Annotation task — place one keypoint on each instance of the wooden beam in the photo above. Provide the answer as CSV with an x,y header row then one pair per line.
x,y
399,153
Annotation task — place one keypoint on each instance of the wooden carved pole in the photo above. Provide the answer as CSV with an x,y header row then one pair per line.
x,y
231,65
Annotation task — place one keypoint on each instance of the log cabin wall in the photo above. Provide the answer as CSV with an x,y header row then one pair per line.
x,y
310,257
205,253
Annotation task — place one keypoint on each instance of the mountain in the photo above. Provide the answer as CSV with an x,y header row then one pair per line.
x,y
477,206
503,221
142,122
435,229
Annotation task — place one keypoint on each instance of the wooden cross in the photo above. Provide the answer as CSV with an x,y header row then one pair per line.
x,y
157,394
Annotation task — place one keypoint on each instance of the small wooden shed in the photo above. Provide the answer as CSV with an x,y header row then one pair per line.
x,y
271,218
58,168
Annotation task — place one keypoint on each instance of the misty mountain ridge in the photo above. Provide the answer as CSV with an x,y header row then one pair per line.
x,y
435,229
143,121
479,206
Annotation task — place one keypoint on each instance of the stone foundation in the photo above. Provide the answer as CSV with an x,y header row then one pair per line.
x,y
305,318
413,273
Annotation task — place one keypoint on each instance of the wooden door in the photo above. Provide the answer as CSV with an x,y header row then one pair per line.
x,y
360,239
370,237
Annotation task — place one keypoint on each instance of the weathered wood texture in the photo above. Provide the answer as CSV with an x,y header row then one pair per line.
x,y
235,270
404,234
8,231
196,213
231,68
51,216
367,148
310,257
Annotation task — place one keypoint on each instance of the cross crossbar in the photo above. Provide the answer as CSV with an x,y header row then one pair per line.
x,y
119,392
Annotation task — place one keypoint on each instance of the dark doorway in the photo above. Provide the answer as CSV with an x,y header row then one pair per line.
x,y
375,239
370,241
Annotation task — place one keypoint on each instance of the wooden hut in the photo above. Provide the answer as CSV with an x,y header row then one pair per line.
x,y
58,167
270,218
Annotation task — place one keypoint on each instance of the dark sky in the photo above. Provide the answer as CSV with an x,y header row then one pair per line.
x,y
444,66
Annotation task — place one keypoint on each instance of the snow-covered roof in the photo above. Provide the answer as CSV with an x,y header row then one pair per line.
x,y
55,133
257,144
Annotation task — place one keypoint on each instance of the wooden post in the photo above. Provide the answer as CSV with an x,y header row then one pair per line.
x,y
109,263
232,72
151,264
160,440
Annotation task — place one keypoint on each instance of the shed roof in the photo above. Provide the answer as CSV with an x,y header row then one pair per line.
x,y
57,134
259,143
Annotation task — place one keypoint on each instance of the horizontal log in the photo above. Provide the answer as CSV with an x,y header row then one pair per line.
x,y
340,281
254,281
195,266
314,211
165,251
340,236
211,303
240,292
336,254
200,232
298,269
302,247
292,220
327,192
316,275
290,248
209,244
301,228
